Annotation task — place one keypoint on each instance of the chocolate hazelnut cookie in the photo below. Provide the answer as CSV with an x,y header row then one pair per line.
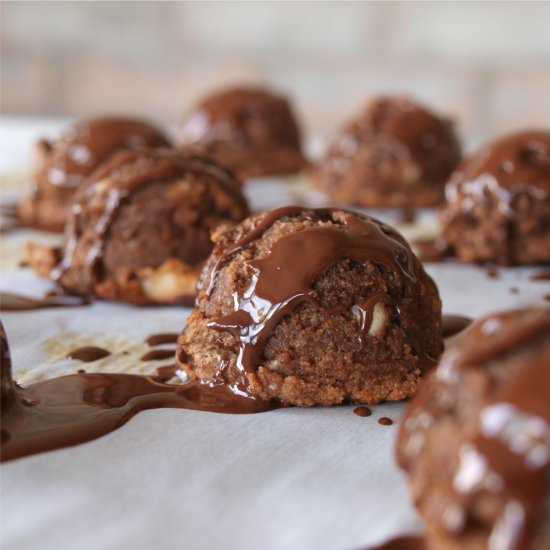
x,y
313,307
139,228
61,166
475,441
251,131
395,153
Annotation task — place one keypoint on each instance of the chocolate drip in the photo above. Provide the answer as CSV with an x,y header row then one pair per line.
x,y
166,373
162,338
543,276
16,302
157,354
284,279
385,421
76,408
362,411
402,543
453,324
88,354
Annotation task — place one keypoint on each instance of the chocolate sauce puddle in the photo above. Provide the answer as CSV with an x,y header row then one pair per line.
x,y
17,302
157,354
162,338
453,324
402,543
544,276
76,408
362,411
88,354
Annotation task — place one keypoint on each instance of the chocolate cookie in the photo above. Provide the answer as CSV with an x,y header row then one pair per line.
x,y
60,167
498,202
250,131
139,229
313,307
395,153
476,440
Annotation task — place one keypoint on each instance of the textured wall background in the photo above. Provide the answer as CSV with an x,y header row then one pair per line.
x,y
487,63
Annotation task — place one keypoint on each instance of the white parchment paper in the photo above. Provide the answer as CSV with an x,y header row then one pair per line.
x,y
319,479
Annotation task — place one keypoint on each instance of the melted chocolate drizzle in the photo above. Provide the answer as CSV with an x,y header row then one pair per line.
x,y
362,411
88,143
402,543
162,338
509,165
157,354
542,276
88,354
385,421
76,408
284,279
16,302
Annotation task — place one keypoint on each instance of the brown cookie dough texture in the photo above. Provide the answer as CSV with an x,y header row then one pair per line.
x,y
139,228
250,131
476,439
395,153
498,202
61,166
313,307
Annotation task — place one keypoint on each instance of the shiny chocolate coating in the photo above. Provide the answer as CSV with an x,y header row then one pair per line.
x,y
61,166
514,163
476,439
395,153
303,268
498,202
249,130
183,197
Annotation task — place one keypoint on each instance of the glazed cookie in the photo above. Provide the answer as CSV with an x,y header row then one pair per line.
x,y
395,153
248,130
139,229
498,202
313,307
61,166
475,441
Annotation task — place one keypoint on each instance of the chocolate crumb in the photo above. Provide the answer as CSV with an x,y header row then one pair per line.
x,y
385,421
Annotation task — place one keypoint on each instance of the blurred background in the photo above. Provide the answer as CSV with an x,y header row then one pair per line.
x,y
485,63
